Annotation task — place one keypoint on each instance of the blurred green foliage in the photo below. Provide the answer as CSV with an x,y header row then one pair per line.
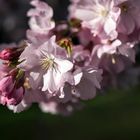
x,y
115,116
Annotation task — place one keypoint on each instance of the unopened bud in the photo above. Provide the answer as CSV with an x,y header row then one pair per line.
x,y
10,53
6,85
16,96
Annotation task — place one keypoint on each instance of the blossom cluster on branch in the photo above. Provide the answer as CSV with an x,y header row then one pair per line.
x,y
61,64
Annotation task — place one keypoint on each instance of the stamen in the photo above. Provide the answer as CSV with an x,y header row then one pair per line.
x,y
46,63
113,60
104,13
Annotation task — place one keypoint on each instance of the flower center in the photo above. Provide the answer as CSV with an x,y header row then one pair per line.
x,y
47,63
104,13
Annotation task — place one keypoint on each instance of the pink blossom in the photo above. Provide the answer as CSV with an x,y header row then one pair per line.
x,y
5,54
6,85
86,83
15,96
10,53
115,47
108,48
40,20
114,64
46,67
81,56
127,49
9,95
100,16
53,79
36,38
2,47
30,96
129,18
3,71
85,36
64,64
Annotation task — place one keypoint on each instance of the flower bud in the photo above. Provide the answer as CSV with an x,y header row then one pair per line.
x,y
10,53
6,85
15,96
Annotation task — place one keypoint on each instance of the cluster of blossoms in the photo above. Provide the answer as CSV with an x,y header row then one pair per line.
x,y
61,64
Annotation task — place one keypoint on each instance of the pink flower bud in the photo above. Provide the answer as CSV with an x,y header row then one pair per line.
x,y
6,85
10,53
5,54
16,96
13,98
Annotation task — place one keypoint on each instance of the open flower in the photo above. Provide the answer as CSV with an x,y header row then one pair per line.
x,y
98,15
86,83
40,22
106,48
129,19
46,66
115,47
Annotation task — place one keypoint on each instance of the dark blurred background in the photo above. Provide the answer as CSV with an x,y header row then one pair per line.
x,y
115,116
13,19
